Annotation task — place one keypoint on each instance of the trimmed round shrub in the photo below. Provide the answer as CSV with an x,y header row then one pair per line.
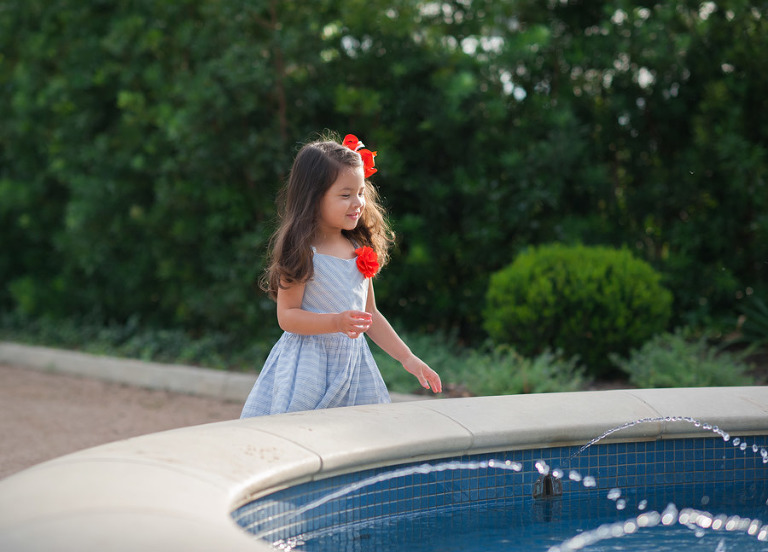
x,y
585,301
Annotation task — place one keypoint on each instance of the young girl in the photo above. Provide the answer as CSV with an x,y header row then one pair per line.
x,y
331,240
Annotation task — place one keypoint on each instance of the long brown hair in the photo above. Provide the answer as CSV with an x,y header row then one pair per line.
x,y
316,167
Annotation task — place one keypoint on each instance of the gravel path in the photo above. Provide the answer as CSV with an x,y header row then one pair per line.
x,y
45,415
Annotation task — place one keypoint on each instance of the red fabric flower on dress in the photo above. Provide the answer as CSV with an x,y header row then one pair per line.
x,y
351,141
367,261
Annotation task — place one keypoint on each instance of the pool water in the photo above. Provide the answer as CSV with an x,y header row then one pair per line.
x,y
541,527
489,509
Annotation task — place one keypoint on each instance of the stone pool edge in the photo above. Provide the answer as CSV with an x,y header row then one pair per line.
x,y
176,489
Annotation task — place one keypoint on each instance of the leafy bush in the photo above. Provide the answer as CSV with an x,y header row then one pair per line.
x,y
754,328
587,301
676,360
501,370
490,370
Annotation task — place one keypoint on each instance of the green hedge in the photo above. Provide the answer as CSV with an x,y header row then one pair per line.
x,y
587,301
142,142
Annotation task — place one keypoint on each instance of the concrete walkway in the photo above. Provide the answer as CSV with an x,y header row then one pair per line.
x,y
44,415
190,380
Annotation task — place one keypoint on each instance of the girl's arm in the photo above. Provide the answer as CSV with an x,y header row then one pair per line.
x,y
386,337
292,318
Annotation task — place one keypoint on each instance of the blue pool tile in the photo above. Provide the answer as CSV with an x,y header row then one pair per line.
x,y
695,463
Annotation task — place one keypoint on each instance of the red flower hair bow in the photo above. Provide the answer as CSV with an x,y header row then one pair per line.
x,y
367,261
351,141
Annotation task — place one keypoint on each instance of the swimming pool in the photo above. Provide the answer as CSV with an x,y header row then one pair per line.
x,y
179,489
485,502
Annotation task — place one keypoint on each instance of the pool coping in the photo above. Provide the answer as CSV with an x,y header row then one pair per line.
x,y
176,489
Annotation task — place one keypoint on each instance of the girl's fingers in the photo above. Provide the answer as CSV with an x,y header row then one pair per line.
x,y
428,378
434,382
355,322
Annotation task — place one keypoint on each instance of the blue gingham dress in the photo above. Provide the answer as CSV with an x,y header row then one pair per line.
x,y
307,372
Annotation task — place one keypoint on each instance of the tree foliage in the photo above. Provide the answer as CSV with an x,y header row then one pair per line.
x,y
142,143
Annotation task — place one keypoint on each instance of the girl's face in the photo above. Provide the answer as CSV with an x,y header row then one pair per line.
x,y
343,203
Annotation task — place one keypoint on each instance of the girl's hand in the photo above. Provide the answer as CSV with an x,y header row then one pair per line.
x,y
428,378
353,323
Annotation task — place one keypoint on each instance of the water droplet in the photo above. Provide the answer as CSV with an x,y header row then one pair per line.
x,y
755,448
542,467
589,481
650,519
669,515
573,475
704,521
704,500
557,473
706,426
743,446
621,504
718,523
617,530
736,442
687,516
614,494
642,505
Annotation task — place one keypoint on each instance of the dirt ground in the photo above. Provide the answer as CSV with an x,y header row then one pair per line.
x,y
45,415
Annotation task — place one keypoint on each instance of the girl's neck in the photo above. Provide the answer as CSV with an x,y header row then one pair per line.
x,y
335,244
